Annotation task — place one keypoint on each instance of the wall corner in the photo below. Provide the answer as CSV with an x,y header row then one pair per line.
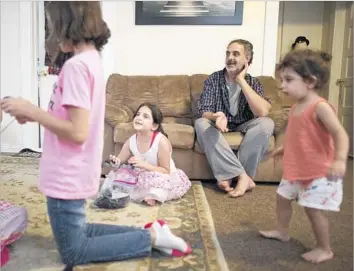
x,y
270,38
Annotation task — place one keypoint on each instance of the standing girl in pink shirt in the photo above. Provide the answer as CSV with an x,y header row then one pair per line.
x,y
70,166
315,151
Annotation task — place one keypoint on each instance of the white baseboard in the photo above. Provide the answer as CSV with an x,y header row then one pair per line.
x,y
36,149
10,149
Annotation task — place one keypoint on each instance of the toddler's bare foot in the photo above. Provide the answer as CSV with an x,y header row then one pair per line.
x,y
318,255
244,184
225,186
150,202
277,235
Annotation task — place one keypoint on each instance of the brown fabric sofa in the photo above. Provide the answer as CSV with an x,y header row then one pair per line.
x,y
177,96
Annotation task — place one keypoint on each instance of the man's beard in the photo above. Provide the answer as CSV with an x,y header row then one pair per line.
x,y
233,70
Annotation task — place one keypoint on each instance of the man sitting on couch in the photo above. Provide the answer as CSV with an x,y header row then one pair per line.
x,y
233,101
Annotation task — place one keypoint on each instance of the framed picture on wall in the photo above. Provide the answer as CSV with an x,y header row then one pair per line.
x,y
188,12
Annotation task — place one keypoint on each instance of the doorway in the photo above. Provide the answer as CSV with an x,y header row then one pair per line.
x,y
18,71
309,19
46,80
345,82
340,87
303,18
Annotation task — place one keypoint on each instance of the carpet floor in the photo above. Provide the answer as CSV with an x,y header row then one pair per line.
x,y
237,222
189,217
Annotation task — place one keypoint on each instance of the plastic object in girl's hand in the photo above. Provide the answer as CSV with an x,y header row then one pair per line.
x,y
110,164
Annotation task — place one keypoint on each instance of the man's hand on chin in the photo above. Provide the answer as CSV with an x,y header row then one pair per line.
x,y
241,75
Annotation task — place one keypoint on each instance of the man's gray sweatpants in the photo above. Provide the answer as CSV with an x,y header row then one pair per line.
x,y
222,160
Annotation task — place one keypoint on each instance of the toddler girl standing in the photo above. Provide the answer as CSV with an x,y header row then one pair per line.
x,y
315,151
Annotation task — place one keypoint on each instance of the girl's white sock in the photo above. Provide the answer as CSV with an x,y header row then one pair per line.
x,y
167,242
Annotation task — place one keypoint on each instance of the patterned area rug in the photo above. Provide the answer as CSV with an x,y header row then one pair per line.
x,y
189,218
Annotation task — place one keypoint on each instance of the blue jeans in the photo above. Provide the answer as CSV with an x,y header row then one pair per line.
x,y
79,242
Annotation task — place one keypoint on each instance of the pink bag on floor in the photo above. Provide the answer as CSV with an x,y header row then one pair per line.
x,y
13,223
117,187
126,179
5,256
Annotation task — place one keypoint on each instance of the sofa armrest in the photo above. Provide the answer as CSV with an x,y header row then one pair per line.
x,y
108,145
280,118
117,114
279,139
113,116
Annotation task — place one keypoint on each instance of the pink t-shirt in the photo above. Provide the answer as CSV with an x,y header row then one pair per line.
x,y
68,170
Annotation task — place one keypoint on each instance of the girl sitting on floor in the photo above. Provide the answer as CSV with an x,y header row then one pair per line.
x,y
150,152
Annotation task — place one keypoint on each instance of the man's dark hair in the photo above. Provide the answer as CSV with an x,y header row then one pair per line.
x,y
247,46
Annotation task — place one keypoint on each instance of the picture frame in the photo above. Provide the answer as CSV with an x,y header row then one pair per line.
x,y
188,12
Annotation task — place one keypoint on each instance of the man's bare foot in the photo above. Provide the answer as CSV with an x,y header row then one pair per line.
x,y
318,255
150,202
244,184
225,186
277,235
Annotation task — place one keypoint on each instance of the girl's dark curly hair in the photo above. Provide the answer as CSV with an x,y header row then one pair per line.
x,y
309,64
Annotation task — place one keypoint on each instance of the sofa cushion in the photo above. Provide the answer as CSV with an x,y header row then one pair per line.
x,y
122,132
280,118
234,139
181,136
171,93
197,85
271,90
186,121
117,114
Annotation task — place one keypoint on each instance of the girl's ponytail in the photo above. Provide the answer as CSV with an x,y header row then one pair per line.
x,y
160,129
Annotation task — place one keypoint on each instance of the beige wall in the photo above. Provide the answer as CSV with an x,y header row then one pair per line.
x,y
327,34
145,50
18,71
328,25
187,49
